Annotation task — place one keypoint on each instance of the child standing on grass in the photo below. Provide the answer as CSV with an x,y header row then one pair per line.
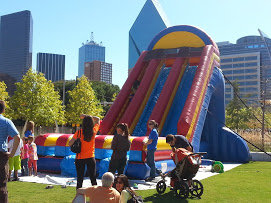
x,y
120,146
15,161
33,156
24,157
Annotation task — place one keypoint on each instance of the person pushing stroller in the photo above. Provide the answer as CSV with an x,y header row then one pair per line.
x,y
187,165
178,141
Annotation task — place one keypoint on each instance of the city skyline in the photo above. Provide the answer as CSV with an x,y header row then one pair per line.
x,y
67,25
51,65
15,49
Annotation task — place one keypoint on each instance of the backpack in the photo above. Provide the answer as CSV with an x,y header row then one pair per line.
x,y
76,146
134,199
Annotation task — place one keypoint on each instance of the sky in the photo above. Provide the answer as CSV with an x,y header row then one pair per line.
x,y
60,26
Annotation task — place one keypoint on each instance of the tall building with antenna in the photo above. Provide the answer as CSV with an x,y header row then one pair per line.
x,y
89,52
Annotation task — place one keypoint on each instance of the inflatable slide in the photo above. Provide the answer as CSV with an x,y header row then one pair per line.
x,y
178,83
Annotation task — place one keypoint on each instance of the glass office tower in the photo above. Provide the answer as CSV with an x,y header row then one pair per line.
x,y
248,63
52,66
15,47
89,52
150,21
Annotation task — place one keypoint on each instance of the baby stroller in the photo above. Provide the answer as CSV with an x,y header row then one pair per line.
x,y
181,178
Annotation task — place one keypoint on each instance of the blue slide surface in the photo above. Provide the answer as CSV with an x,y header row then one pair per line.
x,y
141,127
175,111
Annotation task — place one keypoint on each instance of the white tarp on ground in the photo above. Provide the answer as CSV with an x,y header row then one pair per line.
x,y
52,179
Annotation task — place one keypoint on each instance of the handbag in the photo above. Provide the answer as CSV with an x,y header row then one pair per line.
x,y
134,199
76,146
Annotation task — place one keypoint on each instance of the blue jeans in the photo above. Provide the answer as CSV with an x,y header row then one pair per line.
x,y
24,165
151,163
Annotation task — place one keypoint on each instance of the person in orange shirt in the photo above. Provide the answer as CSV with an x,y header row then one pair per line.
x,y
90,127
99,194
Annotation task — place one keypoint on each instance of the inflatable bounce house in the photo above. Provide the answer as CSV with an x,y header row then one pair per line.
x,y
176,82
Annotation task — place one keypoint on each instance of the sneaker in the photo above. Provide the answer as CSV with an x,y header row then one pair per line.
x,y
149,179
49,187
15,179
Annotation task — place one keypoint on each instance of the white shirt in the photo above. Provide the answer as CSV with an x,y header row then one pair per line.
x,y
10,147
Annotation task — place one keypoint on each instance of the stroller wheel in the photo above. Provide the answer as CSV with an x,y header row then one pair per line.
x,y
182,190
161,187
197,189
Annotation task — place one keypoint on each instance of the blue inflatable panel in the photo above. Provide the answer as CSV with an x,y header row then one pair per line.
x,y
142,170
103,153
63,151
68,167
49,164
46,151
135,156
40,150
137,170
103,166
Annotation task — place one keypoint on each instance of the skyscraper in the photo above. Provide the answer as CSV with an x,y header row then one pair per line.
x,y
150,21
89,52
98,71
15,46
52,66
248,63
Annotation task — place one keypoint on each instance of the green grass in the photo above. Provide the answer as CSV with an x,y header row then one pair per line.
x,y
247,183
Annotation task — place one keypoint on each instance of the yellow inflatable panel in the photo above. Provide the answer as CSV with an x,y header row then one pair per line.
x,y
162,145
51,140
108,141
179,39
68,140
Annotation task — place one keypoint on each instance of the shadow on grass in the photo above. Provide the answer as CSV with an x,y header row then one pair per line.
x,y
165,197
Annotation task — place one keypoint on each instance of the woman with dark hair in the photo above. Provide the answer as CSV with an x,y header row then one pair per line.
x,y
151,148
90,127
121,184
120,146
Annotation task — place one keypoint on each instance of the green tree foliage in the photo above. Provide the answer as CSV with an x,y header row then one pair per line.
x,y
4,97
104,91
35,99
3,92
69,86
237,115
82,101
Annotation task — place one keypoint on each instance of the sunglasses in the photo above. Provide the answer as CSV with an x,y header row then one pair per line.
x,y
119,182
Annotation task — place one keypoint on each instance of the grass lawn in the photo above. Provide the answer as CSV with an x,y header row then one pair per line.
x,y
247,183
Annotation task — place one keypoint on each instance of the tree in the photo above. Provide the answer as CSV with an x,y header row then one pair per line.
x,y
69,86
35,99
4,97
237,115
104,91
82,101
